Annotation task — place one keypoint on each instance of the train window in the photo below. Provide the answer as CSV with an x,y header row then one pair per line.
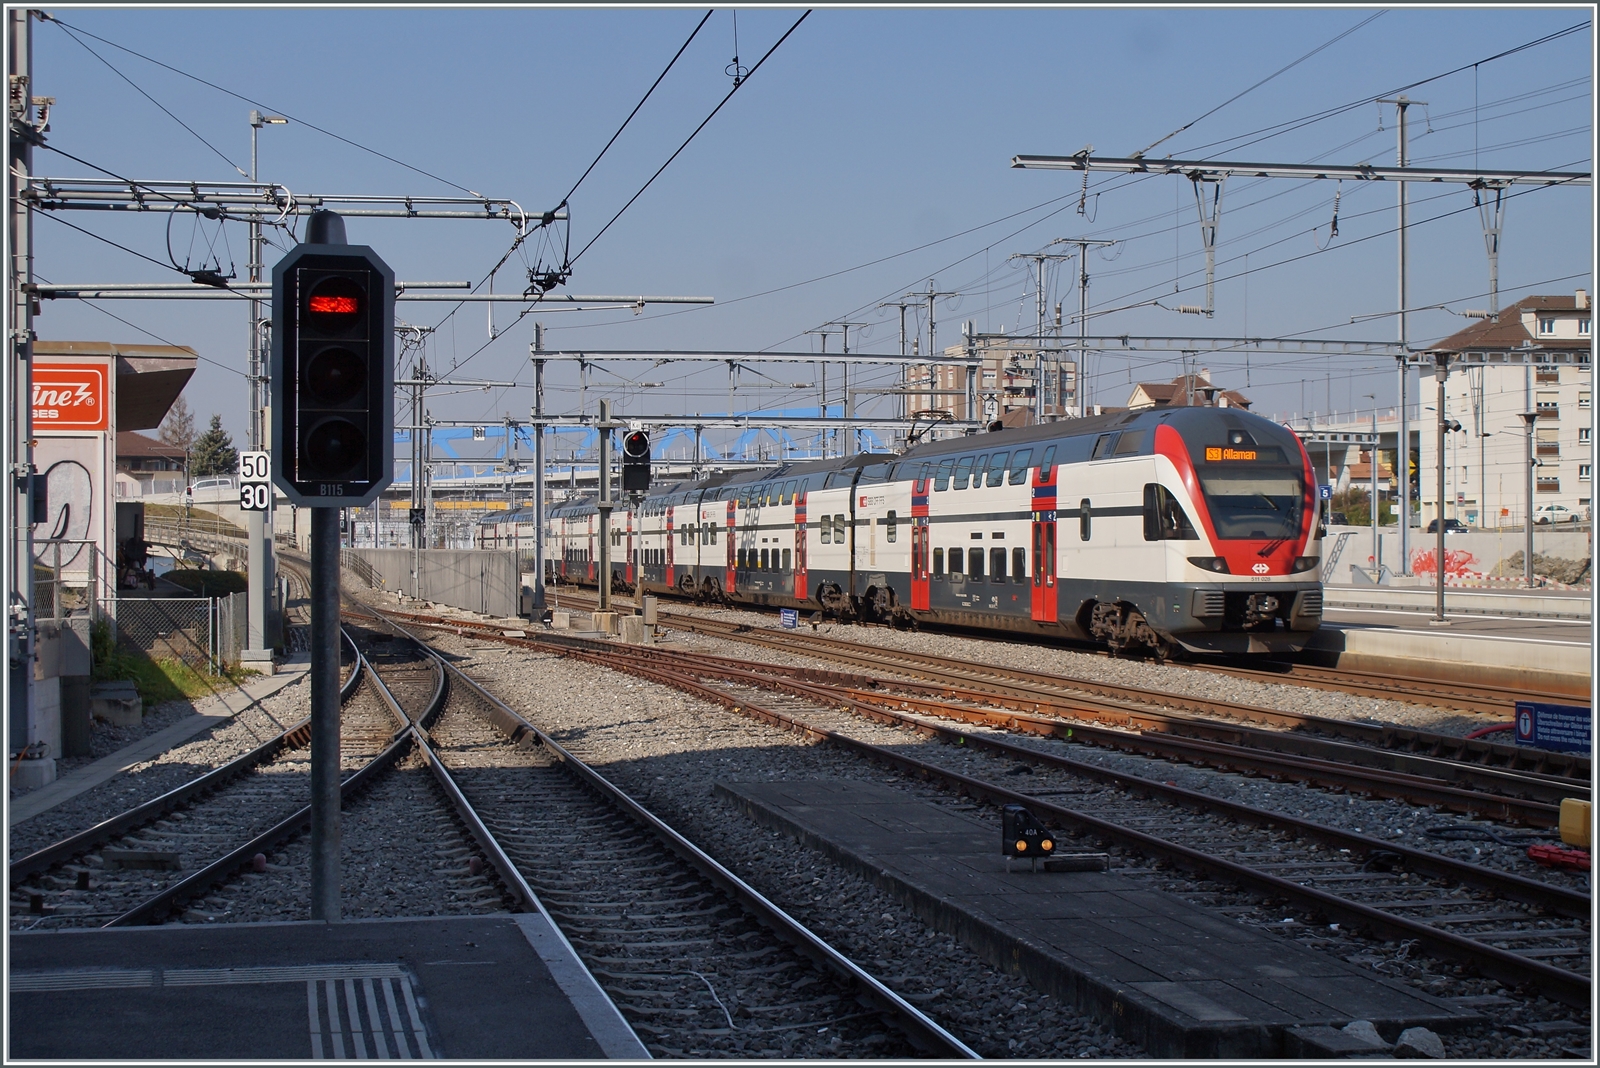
x,y
826,526
1085,517
938,562
786,555
1047,466
764,559
1019,564
997,564
712,527
1104,444
1019,466
1131,443
957,560
975,564
941,481
963,471
1164,517
890,524
838,529
997,468
788,490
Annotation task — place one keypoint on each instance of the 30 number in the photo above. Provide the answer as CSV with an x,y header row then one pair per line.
x,y
255,497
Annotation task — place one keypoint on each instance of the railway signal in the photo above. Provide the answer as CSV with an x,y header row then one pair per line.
x,y
332,371
333,447
1022,835
636,462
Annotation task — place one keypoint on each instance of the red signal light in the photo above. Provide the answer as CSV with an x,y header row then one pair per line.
x,y
334,305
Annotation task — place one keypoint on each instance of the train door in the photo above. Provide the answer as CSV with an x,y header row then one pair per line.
x,y
628,567
801,586
731,582
919,545
669,580
1046,602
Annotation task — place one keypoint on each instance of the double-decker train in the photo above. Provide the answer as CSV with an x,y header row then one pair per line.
x,y
1170,528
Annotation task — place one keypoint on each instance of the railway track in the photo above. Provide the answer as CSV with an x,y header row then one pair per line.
x,y
1504,925
671,935
1363,758
126,869
1477,698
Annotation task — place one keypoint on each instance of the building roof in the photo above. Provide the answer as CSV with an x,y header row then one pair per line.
x,y
1175,394
131,445
1511,333
148,377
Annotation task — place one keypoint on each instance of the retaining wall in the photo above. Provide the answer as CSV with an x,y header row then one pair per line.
x,y
477,580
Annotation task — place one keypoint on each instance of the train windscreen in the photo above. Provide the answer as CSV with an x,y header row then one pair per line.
x,y
1254,504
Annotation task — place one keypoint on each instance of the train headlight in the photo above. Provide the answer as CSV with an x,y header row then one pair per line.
x,y
1305,563
1210,563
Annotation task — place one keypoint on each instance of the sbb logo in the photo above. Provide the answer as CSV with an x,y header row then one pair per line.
x,y
1260,569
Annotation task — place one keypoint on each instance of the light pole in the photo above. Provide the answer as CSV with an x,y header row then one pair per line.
x,y
1528,419
1377,561
1441,371
259,556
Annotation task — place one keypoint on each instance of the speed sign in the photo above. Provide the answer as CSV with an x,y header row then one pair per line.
x,y
255,467
255,496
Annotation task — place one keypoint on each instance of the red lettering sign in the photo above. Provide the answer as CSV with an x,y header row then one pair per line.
x,y
69,396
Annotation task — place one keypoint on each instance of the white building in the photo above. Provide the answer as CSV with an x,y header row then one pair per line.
x,y
1535,357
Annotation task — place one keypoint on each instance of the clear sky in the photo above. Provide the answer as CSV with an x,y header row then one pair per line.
x,y
868,155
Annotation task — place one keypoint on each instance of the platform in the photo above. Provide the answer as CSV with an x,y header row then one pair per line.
x,y
1545,654
1463,600
480,988
1177,978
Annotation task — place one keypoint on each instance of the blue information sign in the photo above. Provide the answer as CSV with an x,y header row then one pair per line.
x,y
1325,492
789,618
1566,728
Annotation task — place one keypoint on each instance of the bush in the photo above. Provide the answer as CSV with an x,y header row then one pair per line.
x,y
156,680
1354,503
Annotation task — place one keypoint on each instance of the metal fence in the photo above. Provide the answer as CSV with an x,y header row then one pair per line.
x,y
205,634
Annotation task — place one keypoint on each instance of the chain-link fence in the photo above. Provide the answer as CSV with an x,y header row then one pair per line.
x,y
205,634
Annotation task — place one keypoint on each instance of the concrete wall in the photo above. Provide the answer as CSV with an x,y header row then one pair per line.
x,y
476,580
1473,552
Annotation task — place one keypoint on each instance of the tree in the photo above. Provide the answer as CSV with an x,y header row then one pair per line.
x,y
213,452
177,429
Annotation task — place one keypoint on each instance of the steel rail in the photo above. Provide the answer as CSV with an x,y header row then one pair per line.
x,y
1479,697
154,909
1029,683
60,852
918,1027
1567,987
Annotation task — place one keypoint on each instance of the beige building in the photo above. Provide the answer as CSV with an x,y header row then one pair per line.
x,y
1186,391
1536,357
1004,388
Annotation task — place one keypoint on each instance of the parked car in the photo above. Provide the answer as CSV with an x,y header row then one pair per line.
x,y
1546,514
1338,519
1451,526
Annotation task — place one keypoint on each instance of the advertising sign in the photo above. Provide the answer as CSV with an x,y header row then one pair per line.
x,y
789,618
69,396
1566,728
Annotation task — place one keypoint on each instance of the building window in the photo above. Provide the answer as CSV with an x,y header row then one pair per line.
x,y
1583,328
1583,400
1583,472
1547,326
1583,435
1548,484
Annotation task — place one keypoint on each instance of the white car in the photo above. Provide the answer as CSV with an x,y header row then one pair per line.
x,y
1546,514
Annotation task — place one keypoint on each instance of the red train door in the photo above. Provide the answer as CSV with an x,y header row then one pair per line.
x,y
801,586
592,565
919,544
671,555
629,566
1046,603
733,536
